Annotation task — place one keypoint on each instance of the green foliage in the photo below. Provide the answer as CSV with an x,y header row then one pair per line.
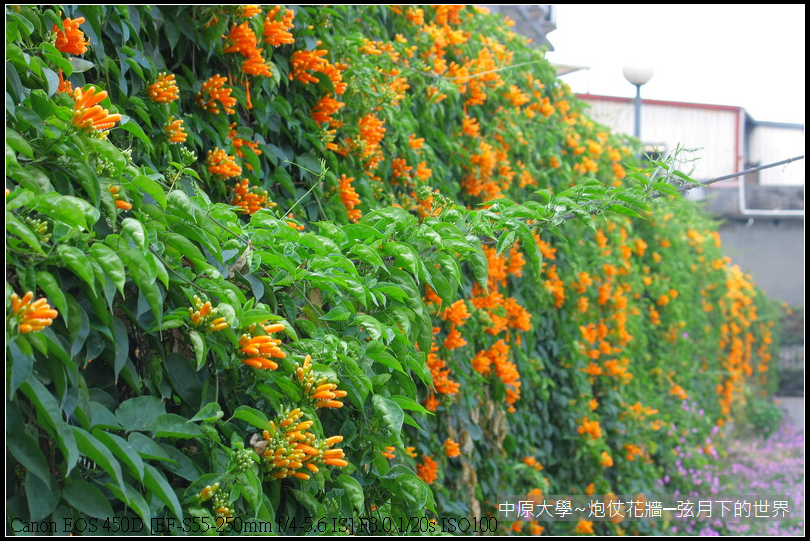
x,y
260,314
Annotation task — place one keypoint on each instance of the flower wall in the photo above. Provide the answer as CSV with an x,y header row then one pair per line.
x,y
284,266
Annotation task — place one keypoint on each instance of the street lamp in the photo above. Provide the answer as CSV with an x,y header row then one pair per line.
x,y
637,75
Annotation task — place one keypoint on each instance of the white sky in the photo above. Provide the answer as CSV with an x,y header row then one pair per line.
x,y
746,55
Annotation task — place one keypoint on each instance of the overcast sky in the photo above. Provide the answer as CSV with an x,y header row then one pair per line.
x,y
747,55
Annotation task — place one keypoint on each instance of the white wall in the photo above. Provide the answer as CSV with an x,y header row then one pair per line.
x,y
772,143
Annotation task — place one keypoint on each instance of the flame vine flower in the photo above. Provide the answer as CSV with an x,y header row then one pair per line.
x,y
349,197
275,32
174,131
250,198
322,393
289,447
220,163
88,115
164,89
213,91
71,40
31,317
204,316
261,350
119,203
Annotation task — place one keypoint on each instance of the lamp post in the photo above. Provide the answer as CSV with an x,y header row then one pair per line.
x,y
637,76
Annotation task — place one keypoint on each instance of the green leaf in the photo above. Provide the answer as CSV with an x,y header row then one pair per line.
x,y
26,451
18,143
409,404
75,260
353,490
157,484
87,498
42,497
252,416
405,256
316,509
148,448
103,417
48,408
133,499
134,230
111,263
621,209
171,425
63,210
129,125
47,283
25,233
98,453
152,188
198,342
391,413
139,413
123,450
209,413
80,65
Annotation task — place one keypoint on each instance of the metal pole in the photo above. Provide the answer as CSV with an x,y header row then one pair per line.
x,y
637,130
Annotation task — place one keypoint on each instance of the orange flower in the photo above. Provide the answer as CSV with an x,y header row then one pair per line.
x,y
590,489
606,460
457,313
451,448
324,109
250,198
32,317
213,90
119,203
203,315
389,453
428,470
250,11
304,61
593,404
349,197
319,390
454,339
164,89
88,115
584,527
174,131
633,451
591,428
64,84
71,40
276,32
220,163
261,349
678,391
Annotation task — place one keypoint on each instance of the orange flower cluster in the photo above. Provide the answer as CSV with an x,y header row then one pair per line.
x,y
591,428
324,109
428,471
290,448
304,61
64,84
88,115
322,393
349,197
584,527
164,89
451,448
242,40
174,131
454,339
220,163
498,356
213,91
238,143
679,392
31,316
633,451
555,286
261,349
389,453
457,313
533,463
606,461
250,10
438,369
276,33
119,203
204,316
371,134
71,40
250,198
